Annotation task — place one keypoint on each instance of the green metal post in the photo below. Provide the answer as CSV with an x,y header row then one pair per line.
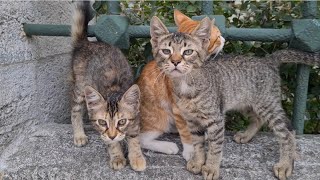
x,y
309,10
207,7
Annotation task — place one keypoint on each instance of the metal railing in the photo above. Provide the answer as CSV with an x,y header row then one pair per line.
x,y
115,29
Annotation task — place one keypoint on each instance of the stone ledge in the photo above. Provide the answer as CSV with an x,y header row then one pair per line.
x,y
47,152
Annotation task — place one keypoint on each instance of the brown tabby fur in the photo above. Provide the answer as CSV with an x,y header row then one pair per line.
x,y
103,82
205,89
158,109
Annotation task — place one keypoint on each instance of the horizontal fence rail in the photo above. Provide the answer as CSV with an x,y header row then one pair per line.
x,y
241,34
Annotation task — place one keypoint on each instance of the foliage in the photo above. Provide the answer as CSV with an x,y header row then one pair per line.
x,y
240,14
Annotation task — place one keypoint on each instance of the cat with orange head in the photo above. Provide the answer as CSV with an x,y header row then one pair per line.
x,y
158,110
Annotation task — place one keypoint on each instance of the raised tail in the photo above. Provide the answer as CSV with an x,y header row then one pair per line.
x,y
296,56
80,18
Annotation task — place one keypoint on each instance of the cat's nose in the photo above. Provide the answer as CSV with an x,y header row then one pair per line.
x,y
112,137
175,62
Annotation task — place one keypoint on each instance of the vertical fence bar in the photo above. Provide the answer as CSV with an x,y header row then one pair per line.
x,y
114,7
309,10
207,7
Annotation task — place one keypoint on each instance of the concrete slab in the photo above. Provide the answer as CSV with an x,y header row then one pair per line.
x,y
47,152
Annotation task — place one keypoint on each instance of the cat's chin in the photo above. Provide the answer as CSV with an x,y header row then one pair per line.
x,y
176,73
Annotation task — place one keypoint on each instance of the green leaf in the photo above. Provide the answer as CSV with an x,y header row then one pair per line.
x,y
286,18
191,9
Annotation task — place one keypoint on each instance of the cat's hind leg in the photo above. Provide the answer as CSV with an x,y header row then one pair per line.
x,y
277,120
256,123
148,141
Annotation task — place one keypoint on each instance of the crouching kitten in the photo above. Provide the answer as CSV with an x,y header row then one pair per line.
x,y
103,81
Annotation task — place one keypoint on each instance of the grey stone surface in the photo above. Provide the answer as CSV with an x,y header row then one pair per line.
x,y
18,99
47,152
34,79
54,89
14,46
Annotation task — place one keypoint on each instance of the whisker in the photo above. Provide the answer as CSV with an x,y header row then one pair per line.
x,y
193,81
161,72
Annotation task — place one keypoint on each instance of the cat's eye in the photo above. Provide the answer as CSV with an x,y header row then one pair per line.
x,y
166,51
102,122
122,122
187,52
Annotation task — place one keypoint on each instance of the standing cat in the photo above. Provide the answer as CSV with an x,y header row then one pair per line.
x,y
159,113
205,89
103,79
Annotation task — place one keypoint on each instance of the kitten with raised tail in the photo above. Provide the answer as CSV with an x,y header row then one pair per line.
x,y
205,89
103,82
159,113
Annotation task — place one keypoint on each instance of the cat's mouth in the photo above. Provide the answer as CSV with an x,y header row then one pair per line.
x,y
176,72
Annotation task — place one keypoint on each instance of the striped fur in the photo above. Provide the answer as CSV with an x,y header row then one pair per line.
x,y
103,82
206,89
159,112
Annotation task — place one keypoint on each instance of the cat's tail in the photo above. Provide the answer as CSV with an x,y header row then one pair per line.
x,y
80,19
296,56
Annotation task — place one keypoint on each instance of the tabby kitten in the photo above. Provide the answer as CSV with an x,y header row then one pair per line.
x,y
205,90
104,82
159,113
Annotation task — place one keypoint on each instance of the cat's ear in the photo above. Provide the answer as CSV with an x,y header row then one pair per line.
x,y
157,29
130,100
179,17
94,99
203,31
213,21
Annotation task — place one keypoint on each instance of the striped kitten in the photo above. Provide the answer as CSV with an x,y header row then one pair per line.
x,y
103,79
205,90
159,113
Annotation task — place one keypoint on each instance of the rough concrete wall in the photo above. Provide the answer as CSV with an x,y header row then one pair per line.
x,y
34,72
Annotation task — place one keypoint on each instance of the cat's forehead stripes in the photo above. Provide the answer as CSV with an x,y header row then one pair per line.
x,y
112,108
178,37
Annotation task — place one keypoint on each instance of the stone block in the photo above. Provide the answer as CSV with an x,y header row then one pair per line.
x,y
47,152
18,100
14,46
54,88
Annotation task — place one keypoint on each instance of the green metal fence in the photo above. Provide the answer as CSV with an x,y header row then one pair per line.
x,y
304,35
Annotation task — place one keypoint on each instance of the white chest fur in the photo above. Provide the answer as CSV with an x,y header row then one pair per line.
x,y
184,88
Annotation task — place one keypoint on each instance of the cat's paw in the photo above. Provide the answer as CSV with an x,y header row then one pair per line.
x,y
194,166
80,140
283,169
210,172
118,163
138,163
169,148
187,151
241,137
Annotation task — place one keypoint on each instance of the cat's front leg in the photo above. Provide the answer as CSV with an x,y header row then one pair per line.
x,y
215,132
117,160
184,133
136,158
77,109
194,165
